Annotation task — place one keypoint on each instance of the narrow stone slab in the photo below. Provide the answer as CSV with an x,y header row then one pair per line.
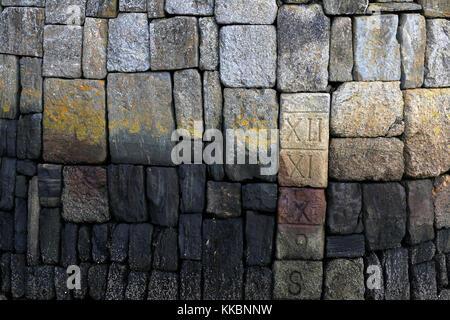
x,y
7,183
31,82
258,284
29,128
437,73
304,242
95,42
6,231
155,8
190,7
8,135
375,277
102,8
69,237
344,279
84,243
441,200
192,187
33,223
338,7
140,247
246,11
49,235
341,50
97,281
165,249
212,100
117,282
209,44
393,7
395,264
435,8
137,285
190,280
9,86
259,231
190,236
423,283
133,5
352,246
50,185
24,3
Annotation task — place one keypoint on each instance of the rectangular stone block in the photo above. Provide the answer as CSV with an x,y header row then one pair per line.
x,y
190,280
140,247
7,183
209,44
246,11
423,283
441,200
306,242
192,187
69,12
29,138
258,284
133,5
437,73
422,253
9,86
102,8
338,7
24,3
69,237
8,134
50,184
435,8
190,7
259,231
341,50
31,82
165,249
155,8
223,199
49,235
95,42
190,236
33,223
6,231
20,225
101,242
84,243
97,281
117,282
260,197
163,286
301,206
344,279
18,269
212,100
137,285
396,275
351,246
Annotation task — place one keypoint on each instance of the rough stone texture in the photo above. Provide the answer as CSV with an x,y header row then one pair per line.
x,y
297,280
155,8
101,8
384,214
412,38
31,83
163,286
443,241
21,187
248,56
359,159
190,280
163,195
133,5
441,270
258,284
117,281
304,136
141,120
40,283
9,86
393,7
74,124
300,242
7,183
303,48
395,264
427,132
435,8
344,280
84,244
209,44
8,134
341,50
223,199
97,280
338,7
190,236
165,249
49,235
95,42
137,286
29,136
375,277
301,206
50,185
423,283
128,43
69,235
6,231
62,51
24,3
260,197
422,253
246,11
190,7
192,187
100,242
174,43
420,223
377,51
22,38
127,193
140,249
212,100
70,12
33,212
352,246
119,242
26,167
5,272
85,195
367,109
441,199
18,269
20,226
81,293
223,270
259,230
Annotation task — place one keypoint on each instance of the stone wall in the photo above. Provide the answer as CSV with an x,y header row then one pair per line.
x,y
91,90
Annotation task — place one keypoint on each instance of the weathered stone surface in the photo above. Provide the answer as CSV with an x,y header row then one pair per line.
x,y
223,199
344,280
441,199
128,43
33,212
338,7
20,225
80,294
191,280
412,38
100,242
377,51
165,249
84,244
141,120
303,48
374,277
212,100
359,159
49,235
8,134
341,50
297,280
190,236
9,86
190,7
420,223
29,136
20,38
7,183
367,109
427,132
117,282
259,231
435,8
21,187
127,193
393,7
260,196
443,241
444,295
85,195
119,242
18,269
69,235
97,280
163,195
40,283
223,269
50,184
422,253
423,281
155,8
24,3
74,125
209,44
137,286
246,11
192,187
258,284
395,264
301,206
94,48
300,242
62,51
163,286
441,270
140,247
133,5
31,82
248,56
102,8
174,43
5,272
384,214
304,137
6,231
351,246
70,12
26,167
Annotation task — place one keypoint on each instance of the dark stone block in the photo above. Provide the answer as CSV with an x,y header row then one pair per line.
x,y
260,197
258,283
26,167
137,286
374,270
259,231
7,183
80,294
192,187
49,235
222,259
163,196
97,281
352,246
29,139
127,193
40,283
50,185
163,286
224,199
18,269
384,214
396,276
422,253
140,247
100,243
117,282
8,133
423,281
443,241
344,208
191,280
21,187
5,272
441,270
20,225
119,242
69,235
165,253
61,290
190,237
84,243
216,172
6,231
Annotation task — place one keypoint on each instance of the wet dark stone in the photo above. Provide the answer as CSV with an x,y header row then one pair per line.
x,y
258,283
29,139
97,281
192,187
351,246
163,286
50,185
191,280
7,183
84,243
69,235
259,231
20,225
165,253
117,282
119,242
140,247
260,197
100,243
190,236
8,133
49,235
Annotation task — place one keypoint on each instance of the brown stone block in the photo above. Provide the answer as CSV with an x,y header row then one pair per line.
x,y
301,206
